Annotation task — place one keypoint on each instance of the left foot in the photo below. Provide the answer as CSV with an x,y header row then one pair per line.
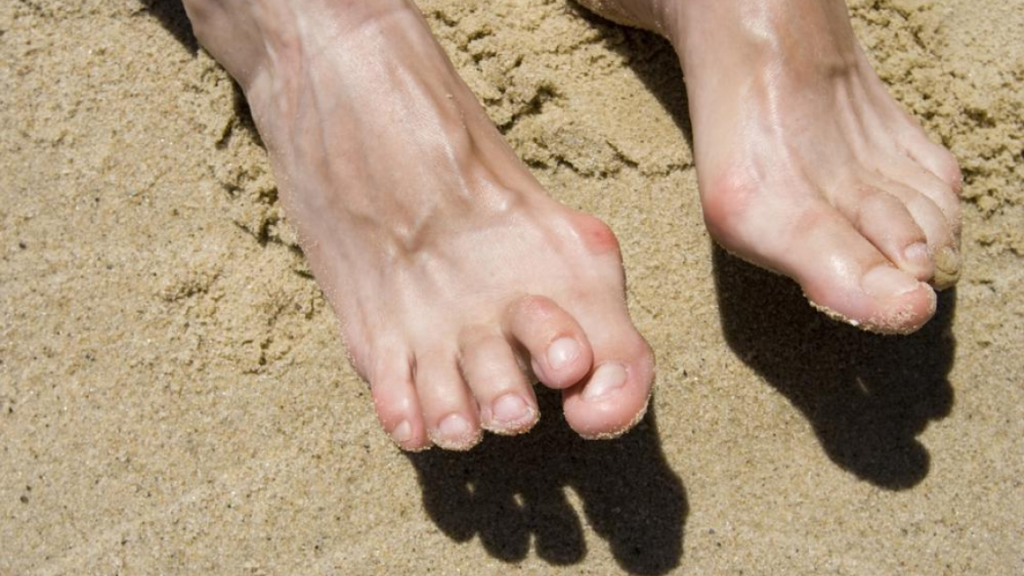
x,y
806,165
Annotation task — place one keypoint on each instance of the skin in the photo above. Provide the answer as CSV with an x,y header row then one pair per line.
x,y
455,276
806,165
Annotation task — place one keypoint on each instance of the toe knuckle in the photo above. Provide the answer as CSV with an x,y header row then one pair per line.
x,y
873,203
475,336
534,306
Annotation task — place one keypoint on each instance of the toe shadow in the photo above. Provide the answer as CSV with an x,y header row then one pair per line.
x,y
867,396
511,491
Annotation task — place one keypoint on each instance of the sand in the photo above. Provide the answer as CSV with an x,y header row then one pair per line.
x,y
174,399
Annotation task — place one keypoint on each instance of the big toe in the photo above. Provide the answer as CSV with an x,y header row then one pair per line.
x,y
614,396
844,274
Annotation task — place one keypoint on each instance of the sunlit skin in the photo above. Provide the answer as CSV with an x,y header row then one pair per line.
x,y
806,165
457,279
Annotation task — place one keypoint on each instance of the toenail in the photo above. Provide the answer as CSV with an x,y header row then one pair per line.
x,y
562,352
510,409
606,379
918,254
947,267
402,433
886,282
454,428
947,260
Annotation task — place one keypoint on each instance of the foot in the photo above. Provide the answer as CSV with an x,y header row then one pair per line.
x,y
806,165
454,275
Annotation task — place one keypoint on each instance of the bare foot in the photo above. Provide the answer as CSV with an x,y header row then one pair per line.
x,y
453,273
806,165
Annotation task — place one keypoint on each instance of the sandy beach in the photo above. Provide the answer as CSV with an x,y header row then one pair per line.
x,y
174,398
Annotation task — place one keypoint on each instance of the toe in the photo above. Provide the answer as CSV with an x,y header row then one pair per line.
x,y
840,271
505,397
945,197
843,273
448,409
885,221
398,407
559,350
941,220
614,397
934,158
934,220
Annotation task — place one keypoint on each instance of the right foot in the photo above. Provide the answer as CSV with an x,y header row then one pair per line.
x,y
806,165
450,269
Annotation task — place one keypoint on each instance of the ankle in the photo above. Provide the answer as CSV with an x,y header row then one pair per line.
x,y
243,36
257,38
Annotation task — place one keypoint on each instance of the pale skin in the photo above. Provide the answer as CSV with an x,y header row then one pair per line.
x,y
457,278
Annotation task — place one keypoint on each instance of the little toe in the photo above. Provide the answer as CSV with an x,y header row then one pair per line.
x,y
614,397
398,407
559,350
448,410
934,158
505,397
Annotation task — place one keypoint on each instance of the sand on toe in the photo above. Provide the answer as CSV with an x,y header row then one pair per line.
x,y
174,399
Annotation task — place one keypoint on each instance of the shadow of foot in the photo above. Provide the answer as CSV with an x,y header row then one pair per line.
x,y
653,60
511,490
867,396
171,14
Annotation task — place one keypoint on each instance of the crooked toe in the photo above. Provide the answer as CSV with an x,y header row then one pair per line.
x,y
942,236
885,222
936,206
559,350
